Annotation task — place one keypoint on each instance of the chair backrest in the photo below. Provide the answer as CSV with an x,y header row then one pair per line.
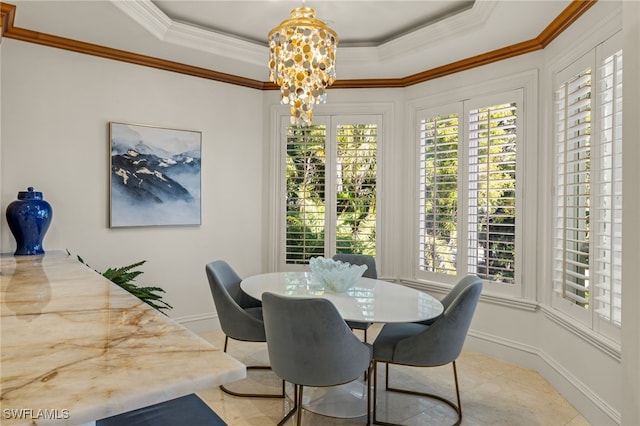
x,y
442,342
455,291
450,297
231,304
360,259
310,344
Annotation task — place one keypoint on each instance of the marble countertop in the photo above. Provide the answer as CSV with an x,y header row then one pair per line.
x,y
77,348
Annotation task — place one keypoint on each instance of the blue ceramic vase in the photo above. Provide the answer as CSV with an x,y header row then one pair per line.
x,y
29,218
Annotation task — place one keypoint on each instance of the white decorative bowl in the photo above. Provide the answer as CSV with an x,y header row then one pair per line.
x,y
336,276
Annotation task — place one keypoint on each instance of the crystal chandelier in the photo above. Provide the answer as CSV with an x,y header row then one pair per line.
x,y
302,62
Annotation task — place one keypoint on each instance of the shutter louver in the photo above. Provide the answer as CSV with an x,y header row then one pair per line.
x,y
305,184
607,232
573,189
492,193
438,194
356,188
587,250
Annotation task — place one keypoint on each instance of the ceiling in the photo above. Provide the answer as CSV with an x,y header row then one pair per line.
x,y
358,23
382,39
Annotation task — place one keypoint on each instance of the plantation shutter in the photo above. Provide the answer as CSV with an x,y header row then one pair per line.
x,y
356,171
438,194
573,188
331,187
305,188
607,199
587,251
492,192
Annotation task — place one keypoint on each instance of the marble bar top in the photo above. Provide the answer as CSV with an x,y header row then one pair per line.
x,y
76,348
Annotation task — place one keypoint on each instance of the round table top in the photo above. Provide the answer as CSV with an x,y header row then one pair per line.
x,y
369,300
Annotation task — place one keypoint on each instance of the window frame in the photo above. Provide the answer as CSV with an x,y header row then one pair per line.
x,y
332,117
463,109
593,59
526,83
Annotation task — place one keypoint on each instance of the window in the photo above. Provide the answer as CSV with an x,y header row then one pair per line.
x,y
467,189
438,194
587,257
492,192
331,188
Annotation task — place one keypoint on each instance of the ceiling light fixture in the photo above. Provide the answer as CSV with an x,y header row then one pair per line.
x,y
302,62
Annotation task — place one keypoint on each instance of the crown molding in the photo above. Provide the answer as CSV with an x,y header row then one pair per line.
x,y
147,15
563,21
7,14
49,40
157,24
154,20
461,23
161,26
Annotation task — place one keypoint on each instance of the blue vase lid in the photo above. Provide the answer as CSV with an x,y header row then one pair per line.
x,y
29,194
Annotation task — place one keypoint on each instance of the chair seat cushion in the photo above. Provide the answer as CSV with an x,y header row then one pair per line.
x,y
385,344
186,410
429,321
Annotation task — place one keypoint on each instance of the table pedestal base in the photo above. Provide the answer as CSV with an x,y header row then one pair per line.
x,y
344,401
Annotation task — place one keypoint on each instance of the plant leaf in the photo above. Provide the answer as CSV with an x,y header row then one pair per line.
x,y
124,276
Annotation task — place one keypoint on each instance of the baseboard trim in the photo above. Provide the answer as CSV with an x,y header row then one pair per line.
x,y
593,407
200,323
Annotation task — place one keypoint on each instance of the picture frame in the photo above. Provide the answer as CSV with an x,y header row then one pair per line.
x,y
155,176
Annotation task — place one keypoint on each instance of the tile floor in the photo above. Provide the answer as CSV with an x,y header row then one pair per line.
x,y
492,392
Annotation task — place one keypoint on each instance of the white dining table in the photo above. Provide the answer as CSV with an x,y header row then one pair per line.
x,y
369,300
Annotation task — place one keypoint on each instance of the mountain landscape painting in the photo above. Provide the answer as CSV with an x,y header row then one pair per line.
x,y
155,176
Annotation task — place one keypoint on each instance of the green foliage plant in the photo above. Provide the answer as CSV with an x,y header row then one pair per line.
x,y
124,277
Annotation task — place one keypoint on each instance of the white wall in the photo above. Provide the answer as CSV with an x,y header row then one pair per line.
x,y
56,106
631,206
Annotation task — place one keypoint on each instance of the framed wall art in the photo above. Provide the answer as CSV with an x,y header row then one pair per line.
x,y
155,176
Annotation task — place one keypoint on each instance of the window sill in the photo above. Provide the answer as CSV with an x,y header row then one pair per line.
x,y
600,342
502,300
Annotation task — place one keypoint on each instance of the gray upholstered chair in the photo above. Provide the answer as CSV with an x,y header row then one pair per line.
x,y
240,315
310,345
453,293
370,272
422,345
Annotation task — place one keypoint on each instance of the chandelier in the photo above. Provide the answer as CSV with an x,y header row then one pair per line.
x,y
302,62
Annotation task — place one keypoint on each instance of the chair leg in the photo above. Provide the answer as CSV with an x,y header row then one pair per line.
x,y
299,404
386,376
251,395
368,384
455,378
457,408
295,406
375,392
